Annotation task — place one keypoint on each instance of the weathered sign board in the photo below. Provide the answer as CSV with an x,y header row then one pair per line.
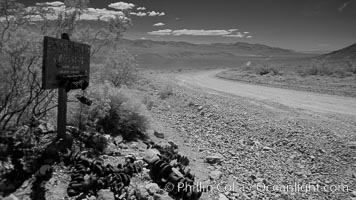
x,y
64,58
65,66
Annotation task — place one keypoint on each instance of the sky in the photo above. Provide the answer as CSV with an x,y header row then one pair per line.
x,y
301,25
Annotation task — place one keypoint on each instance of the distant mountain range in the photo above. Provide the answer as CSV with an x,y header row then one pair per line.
x,y
171,49
171,54
181,55
345,54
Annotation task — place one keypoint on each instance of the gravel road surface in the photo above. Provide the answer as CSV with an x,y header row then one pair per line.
x,y
307,101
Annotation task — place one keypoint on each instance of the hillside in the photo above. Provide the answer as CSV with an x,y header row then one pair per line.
x,y
170,54
345,54
184,49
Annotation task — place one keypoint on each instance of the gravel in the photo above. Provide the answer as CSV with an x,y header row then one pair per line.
x,y
261,147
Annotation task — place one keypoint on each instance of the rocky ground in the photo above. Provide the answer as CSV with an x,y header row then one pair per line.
x,y
237,149
265,153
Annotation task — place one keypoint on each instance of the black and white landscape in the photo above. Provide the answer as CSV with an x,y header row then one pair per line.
x,y
183,100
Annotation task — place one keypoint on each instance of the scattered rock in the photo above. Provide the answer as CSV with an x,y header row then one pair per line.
x,y
259,180
177,172
353,194
92,198
123,146
173,144
255,142
266,148
222,197
214,159
161,197
214,175
134,145
158,134
244,196
10,197
146,174
352,145
111,149
105,194
151,155
152,188
118,140
164,144
141,193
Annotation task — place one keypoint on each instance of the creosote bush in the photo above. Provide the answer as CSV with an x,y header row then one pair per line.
x,y
166,92
119,68
21,38
262,69
265,69
115,111
322,68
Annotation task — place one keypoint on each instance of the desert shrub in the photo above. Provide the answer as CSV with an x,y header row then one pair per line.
x,y
119,69
148,102
21,95
265,69
327,68
313,70
115,111
165,92
274,71
262,71
351,67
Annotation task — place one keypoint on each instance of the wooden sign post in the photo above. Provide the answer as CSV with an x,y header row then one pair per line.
x,y
66,66
62,107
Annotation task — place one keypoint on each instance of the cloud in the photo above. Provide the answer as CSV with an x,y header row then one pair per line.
x,y
139,14
54,4
344,5
159,24
192,32
141,8
101,14
154,13
235,35
121,5
249,36
55,8
246,32
149,14
161,32
200,32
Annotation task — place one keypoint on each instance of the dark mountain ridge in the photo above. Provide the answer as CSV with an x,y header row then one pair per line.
x,y
345,54
165,48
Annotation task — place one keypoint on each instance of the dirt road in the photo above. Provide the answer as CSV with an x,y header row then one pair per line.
x,y
305,101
